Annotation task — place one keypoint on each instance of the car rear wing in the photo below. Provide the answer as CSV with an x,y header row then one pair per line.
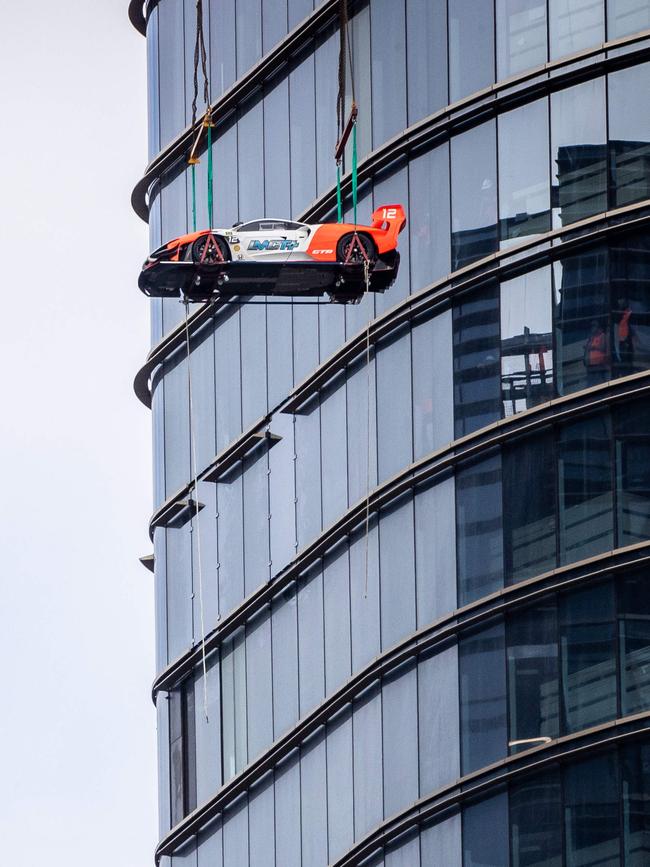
x,y
389,217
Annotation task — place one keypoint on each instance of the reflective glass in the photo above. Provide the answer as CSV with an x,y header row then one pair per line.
x,y
473,192
248,21
433,377
259,673
368,780
627,16
481,849
426,35
326,60
261,828
397,559
575,25
471,47
171,71
277,171
302,120
629,276
533,675
400,739
634,637
483,713
435,551
578,152
635,764
536,822
585,489
388,25
629,132
582,320
526,341
336,601
394,405
274,22
340,802
287,812
222,47
588,657
479,529
233,706
477,386
429,217
438,723
632,447
521,36
530,514
313,802
524,194
591,811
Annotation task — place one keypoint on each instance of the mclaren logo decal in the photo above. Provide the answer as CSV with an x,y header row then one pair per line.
x,y
275,244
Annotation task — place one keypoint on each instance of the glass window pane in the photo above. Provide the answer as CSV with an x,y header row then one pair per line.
x,y
588,657
429,217
521,36
530,512
575,25
578,152
536,822
635,762
632,445
479,529
477,387
524,193
473,193
427,57
627,16
581,315
471,47
481,849
629,132
483,713
585,489
433,394
634,637
533,676
388,74
591,810
526,341
629,266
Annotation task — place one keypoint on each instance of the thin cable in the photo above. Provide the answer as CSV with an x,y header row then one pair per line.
x,y
196,504
365,586
193,197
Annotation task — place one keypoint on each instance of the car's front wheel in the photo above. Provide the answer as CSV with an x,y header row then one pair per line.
x,y
356,247
210,250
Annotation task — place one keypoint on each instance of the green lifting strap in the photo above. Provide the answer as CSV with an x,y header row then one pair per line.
x,y
339,198
210,173
193,197
355,184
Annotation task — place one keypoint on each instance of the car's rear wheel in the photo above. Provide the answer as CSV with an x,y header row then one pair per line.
x,y
217,250
356,247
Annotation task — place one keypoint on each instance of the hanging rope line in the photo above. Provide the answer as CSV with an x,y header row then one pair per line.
x,y
345,127
201,58
194,475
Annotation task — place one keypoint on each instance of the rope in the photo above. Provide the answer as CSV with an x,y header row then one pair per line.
x,y
201,58
355,183
366,557
193,469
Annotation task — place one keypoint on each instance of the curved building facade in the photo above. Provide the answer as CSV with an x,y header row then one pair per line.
x,y
408,622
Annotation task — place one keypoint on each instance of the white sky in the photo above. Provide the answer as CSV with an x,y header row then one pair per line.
x,y
77,727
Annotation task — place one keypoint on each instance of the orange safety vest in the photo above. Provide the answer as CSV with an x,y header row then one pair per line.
x,y
624,325
596,350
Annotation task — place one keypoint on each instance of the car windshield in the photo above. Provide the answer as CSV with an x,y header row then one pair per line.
x,y
271,226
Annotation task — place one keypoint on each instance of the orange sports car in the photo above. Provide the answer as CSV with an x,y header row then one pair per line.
x,y
275,256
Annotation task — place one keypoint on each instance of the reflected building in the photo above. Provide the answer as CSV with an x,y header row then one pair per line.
x,y
401,548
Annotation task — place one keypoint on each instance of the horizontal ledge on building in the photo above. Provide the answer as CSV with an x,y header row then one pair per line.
x,y
442,799
228,102
137,16
237,451
416,474
463,114
541,248
176,514
479,783
148,561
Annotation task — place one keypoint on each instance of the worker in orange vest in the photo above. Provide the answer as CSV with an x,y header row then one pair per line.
x,y
596,355
624,339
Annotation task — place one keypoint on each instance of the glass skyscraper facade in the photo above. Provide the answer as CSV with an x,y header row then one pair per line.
x,y
402,548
